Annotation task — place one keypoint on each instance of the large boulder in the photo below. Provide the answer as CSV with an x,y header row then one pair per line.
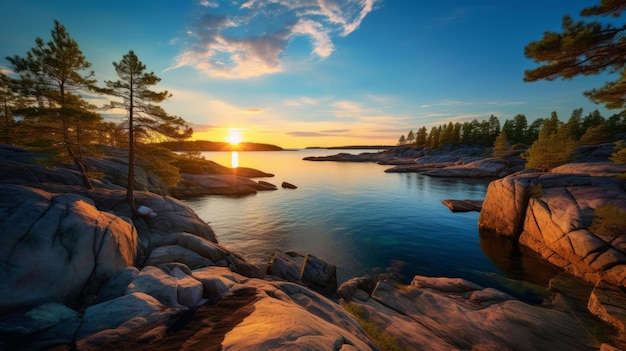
x,y
551,213
57,247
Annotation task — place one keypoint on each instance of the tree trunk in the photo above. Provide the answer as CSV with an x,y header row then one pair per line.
x,y
130,185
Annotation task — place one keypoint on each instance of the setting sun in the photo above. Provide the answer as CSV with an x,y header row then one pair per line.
x,y
234,136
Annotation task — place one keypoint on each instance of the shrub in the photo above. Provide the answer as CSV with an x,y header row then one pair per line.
x,y
517,146
608,222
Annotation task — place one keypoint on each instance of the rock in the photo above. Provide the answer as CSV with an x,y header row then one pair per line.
x,y
551,213
115,170
42,327
609,304
36,319
474,318
463,205
319,275
196,252
282,267
243,314
171,290
288,186
126,314
268,185
360,288
346,157
116,286
57,247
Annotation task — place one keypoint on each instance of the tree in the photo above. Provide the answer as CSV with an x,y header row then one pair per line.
x,y
619,156
402,140
410,137
585,47
447,135
501,146
51,73
575,123
532,132
433,137
420,136
143,117
593,119
555,146
519,127
494,129
596,135
10,100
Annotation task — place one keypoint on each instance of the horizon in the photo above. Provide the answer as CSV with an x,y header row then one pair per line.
x,y
323,74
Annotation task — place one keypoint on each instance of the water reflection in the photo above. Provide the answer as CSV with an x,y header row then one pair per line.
x,y
234,159
525,273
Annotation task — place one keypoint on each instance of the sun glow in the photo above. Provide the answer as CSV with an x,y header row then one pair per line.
x,y
234,136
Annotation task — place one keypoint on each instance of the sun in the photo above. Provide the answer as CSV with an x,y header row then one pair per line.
x,y
234,136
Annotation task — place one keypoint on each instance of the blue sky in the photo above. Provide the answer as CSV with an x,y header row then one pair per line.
x,y
303,73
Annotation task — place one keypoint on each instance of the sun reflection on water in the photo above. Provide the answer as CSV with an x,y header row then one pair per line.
x,y
234,159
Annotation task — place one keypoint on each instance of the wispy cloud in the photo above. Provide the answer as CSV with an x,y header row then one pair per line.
x,y
242,41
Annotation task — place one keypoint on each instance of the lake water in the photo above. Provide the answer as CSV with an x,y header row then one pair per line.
x,y
364,221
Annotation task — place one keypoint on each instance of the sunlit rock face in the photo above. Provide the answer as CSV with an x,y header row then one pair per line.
x,y
455,314
232,312
57,247
551,213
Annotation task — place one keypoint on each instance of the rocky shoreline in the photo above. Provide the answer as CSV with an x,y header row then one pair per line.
x,y
84,271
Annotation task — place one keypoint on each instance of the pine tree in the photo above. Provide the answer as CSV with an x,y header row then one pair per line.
x,y
144,119
501,146
402,140
585,48
51,73
555,146
9,101
420,137
410,137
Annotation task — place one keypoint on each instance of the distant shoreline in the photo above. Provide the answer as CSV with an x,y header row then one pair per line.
x,y
204,145
352,147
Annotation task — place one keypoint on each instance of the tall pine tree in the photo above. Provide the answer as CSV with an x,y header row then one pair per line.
x,y
144,117
54,75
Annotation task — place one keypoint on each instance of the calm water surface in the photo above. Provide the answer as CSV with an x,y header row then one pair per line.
x,y
359,218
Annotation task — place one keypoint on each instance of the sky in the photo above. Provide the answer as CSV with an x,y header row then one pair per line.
x,y
300,73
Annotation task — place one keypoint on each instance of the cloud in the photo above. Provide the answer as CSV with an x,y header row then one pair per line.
x,y
321,133
252,110
248,40
199,127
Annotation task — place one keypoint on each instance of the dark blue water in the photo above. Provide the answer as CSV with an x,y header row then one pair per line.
x,y
359,218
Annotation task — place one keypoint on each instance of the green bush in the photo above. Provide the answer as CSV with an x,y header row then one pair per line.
x,y
608,222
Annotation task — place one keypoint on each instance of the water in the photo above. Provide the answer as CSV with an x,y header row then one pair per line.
x,y
363,220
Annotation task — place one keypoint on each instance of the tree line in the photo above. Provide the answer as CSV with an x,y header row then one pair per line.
x,y
552,142
44,105
592,129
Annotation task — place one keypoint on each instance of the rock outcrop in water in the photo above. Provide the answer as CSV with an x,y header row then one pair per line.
x,y
551,213
447,161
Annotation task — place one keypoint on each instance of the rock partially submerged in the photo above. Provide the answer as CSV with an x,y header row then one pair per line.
x,y
551,213
463,205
